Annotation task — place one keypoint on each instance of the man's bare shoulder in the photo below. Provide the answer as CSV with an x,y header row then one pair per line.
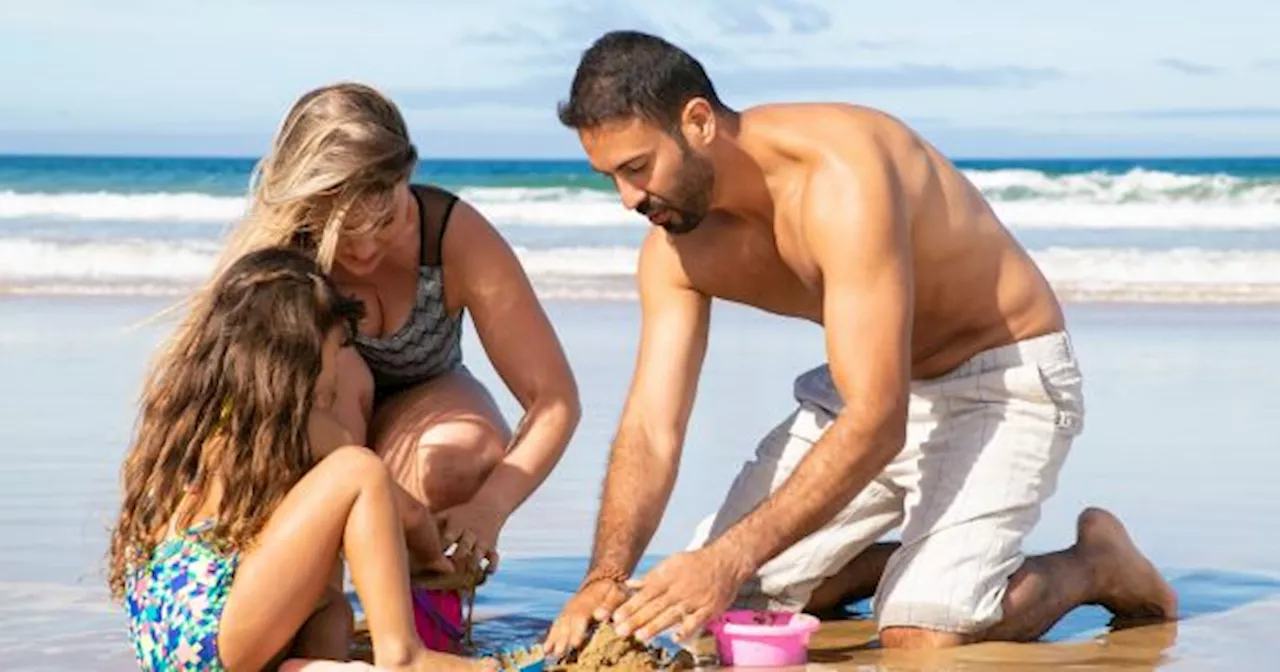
x,y
659,266
855,168
841,123
849,149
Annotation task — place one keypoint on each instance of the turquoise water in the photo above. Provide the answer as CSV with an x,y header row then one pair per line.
x,y
228,176
1200,230
1180,441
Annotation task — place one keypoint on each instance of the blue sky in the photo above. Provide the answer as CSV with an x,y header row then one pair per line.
x,y
481,78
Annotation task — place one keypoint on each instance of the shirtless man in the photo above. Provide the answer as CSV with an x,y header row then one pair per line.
x,y
947,405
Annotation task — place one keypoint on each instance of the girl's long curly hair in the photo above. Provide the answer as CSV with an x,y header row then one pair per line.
x,y
226,406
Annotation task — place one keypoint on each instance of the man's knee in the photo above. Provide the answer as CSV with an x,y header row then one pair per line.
x,y
920,638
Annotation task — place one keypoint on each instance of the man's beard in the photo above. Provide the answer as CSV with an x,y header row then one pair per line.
x,y
689,203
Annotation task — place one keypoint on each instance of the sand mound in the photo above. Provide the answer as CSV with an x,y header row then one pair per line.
x,y
607,651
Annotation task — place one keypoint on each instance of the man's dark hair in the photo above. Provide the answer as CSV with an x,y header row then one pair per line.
x,y
626,74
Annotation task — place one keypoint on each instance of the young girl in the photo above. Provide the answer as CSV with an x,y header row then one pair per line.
x,y
236,505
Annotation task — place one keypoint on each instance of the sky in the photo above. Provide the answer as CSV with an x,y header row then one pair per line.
x,y
481,78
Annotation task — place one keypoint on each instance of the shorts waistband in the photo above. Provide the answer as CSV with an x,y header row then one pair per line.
x,y
1051,348
816,386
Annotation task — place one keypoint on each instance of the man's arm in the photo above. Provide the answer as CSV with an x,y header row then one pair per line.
x,y
646,452
856,224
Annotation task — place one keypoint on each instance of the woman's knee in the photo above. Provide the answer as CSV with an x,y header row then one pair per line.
x,y
474,445
454,458
442,440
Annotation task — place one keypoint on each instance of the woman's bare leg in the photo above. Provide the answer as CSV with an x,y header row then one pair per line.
x,y
345,500
441,439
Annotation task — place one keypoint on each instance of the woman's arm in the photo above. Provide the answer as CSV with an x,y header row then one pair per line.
x,y
484,275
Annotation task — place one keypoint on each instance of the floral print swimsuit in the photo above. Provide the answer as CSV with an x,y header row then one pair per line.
x,y
175,603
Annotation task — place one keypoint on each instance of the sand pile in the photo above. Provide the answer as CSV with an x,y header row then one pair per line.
x,y
607,651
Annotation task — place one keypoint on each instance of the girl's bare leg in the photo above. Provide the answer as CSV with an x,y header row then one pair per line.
x,y
328,631
345,500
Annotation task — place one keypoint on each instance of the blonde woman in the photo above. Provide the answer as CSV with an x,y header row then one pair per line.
x,y
337,183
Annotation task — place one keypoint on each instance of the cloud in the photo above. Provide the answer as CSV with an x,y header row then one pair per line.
x,y
906,76
573,26
1188,67
536,91
1186,113
544,90
771,18
879,45
1268,64
963,142
716,31
569,28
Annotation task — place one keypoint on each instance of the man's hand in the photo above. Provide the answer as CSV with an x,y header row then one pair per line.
x,y
687,589
474,526
594,602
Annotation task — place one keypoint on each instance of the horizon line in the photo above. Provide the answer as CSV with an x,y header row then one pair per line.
x,y
580,159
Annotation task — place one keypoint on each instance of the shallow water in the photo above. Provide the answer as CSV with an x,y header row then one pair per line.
x,y
1180,441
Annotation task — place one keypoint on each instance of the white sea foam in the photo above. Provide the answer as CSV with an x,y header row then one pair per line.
x,y
1023,198
110,206
148,267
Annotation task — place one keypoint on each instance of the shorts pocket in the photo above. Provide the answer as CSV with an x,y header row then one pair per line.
x,y
1057,384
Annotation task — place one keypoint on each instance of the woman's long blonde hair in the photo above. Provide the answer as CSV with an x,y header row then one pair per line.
x,y
339,151
226,408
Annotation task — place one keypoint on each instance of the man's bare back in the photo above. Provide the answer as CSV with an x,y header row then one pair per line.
x,y
975,286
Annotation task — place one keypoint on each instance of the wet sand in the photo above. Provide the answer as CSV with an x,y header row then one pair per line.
x,y
1180,441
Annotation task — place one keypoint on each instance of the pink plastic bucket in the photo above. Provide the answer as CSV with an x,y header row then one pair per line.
x,y
437,616
747,638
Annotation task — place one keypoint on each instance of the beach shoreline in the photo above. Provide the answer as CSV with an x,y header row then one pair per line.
x,y
1179,441
621,290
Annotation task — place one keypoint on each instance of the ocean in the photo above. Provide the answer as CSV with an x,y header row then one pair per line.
x,y
1167,230
1171,269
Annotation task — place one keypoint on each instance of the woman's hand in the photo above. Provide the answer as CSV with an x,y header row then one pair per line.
x,y
422,536
474,526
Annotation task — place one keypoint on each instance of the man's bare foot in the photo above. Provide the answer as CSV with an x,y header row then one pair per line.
x,y
1128,585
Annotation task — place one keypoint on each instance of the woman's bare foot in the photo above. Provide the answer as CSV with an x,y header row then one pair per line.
x,y
1129,586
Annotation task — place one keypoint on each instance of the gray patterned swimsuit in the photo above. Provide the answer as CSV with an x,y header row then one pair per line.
x,y
429,344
